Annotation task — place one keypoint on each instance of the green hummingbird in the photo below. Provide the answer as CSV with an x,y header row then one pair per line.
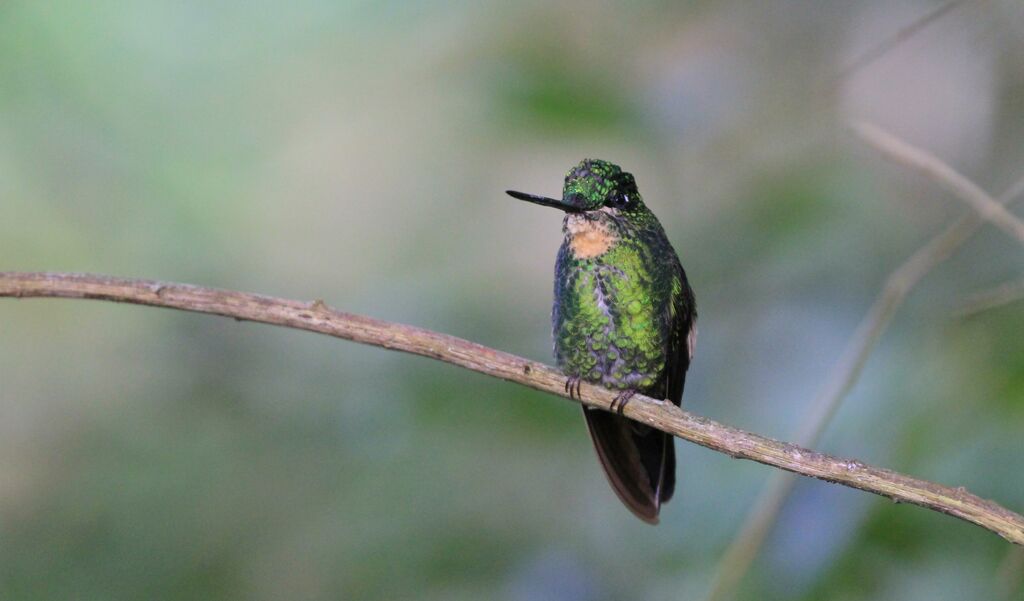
x,y
625,318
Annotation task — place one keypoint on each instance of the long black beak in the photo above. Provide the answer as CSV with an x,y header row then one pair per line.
x,y
544,201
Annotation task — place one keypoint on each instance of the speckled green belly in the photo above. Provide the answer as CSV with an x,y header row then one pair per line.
x,y
609,319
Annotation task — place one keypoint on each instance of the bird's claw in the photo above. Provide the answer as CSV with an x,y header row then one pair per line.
x,y
572,386
620,401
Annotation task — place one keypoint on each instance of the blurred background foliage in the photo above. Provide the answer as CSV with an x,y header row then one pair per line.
x,y
358,152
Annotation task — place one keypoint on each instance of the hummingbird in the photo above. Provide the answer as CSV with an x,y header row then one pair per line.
x,y
625,318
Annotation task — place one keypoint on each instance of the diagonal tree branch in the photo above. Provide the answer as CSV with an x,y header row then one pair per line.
x,y
744,548
317,317
742,551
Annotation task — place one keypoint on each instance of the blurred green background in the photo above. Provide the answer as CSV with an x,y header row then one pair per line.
x,y
358,152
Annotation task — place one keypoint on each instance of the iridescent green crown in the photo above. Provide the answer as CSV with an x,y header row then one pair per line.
x,y
593,182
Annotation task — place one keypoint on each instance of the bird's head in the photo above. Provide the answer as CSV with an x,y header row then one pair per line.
x,y
593,185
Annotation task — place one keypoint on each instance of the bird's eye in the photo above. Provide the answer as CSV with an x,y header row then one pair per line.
x,y
620,201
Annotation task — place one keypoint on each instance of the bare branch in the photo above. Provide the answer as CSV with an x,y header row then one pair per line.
x,y
942,174
1004,294
744,548
317,317
898,38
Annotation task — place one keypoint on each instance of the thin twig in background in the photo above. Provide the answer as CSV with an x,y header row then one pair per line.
x,y
901,152
741,553
895,40
317,317
766,136
1010,573
986,300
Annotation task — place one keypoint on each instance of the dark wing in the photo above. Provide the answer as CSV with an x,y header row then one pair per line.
x,y
681,343
683,337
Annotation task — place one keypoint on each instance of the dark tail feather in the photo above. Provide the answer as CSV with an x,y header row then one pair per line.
x,y
640,462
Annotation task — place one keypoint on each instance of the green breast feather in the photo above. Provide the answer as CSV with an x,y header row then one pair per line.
x,y
612,313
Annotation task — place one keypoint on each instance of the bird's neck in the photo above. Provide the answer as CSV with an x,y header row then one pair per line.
x,y
589,237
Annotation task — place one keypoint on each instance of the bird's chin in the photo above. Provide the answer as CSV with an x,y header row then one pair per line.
x,y
587,220
602,215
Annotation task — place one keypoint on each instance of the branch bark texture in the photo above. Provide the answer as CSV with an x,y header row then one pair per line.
x,y
317,317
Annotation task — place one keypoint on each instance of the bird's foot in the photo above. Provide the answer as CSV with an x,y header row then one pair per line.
x,y
572,386
620,401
